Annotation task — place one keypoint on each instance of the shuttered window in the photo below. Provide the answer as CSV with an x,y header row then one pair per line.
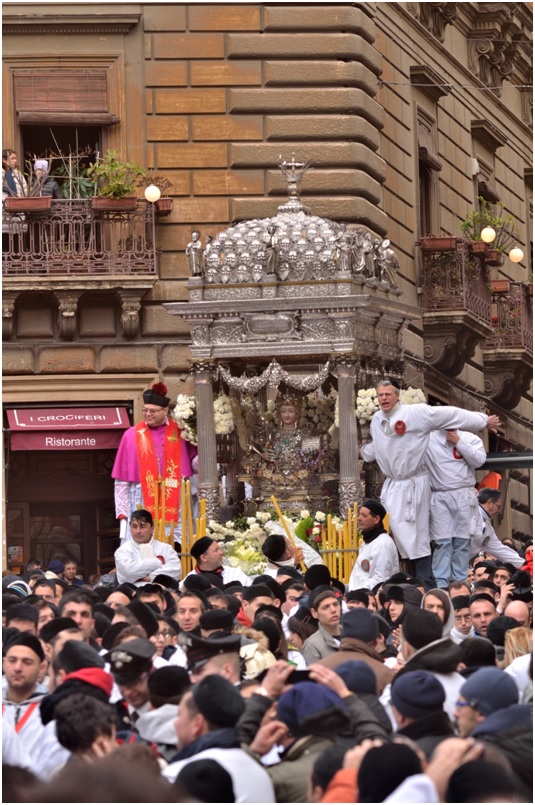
x,y
68,97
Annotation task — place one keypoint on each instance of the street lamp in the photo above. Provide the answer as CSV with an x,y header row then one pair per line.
x,y
488,234
516,255
152,193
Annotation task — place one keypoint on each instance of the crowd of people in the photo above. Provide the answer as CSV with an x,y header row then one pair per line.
x,y
290,686
286,687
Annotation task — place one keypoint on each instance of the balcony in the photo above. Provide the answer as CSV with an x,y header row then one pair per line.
x,y
71,249
72,239
456,303
508,352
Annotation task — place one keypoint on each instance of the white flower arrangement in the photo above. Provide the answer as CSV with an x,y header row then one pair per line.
x,y
317,414
241,540
367,405
411,396
185,415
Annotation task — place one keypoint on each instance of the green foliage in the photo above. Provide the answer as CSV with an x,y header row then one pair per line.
x,y
74,182
503,225
114,178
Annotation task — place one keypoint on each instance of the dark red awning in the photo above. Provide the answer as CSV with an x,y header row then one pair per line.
x,y
97,428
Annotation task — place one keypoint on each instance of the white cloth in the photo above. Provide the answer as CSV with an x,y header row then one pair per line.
x,y
417,788
250,781
31,732
382,557
451,470
14,752
310,556
51,755
487,540
179,657
133,564
518,669
406,493
230,574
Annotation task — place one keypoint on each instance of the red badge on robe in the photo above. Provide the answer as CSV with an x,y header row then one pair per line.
x,y
365,565
456,453
400,427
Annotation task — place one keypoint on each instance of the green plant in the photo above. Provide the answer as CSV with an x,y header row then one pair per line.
x,y
115,178
486,216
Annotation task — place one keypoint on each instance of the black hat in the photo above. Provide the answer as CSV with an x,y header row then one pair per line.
x,y
460,602
126,588
101,623
196,582
506,566
274,547
399,761
394,592
169,681
316,576
199,649
478,779
76,655
496,630
522,582
292,572
200,546
358,676
129,660
217,619
374,507
218,700
108,638
273,585
232,587
275,611
358,595
257,590
417,693
202,778
384,627
360,624
52,628
28,640
156,395
145,616
397,578
421,628
23,612
268,627
166,581
482,597
215,580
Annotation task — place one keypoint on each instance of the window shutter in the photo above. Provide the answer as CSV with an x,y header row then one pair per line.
x,y
426,148
67,97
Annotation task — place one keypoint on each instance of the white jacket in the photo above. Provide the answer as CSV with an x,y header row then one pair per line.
x,y
134,562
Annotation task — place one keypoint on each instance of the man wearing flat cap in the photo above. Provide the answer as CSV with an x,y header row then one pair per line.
x,y
206,729
214,655
130,664
209,556
151,461
378,556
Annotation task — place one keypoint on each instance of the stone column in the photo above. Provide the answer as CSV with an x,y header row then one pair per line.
x,y
208,476
349,485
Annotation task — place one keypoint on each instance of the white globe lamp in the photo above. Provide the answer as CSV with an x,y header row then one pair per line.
x,y
152,193
488,234
516,255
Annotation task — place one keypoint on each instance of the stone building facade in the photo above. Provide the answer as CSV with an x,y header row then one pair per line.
x,y
408,112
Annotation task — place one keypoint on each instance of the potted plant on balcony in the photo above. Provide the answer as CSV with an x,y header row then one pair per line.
x,y
30,197
437,243
164,204
116,183
485,218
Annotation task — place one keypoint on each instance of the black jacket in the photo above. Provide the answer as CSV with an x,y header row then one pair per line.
x,y
511,731
428,731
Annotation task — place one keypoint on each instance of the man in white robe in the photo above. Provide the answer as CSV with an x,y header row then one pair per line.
x,y
400,435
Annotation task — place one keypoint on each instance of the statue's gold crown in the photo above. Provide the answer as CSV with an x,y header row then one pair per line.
x,y
289,399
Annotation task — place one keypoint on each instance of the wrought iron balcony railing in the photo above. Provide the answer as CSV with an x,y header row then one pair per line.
x,y
512,320
74,239
456,279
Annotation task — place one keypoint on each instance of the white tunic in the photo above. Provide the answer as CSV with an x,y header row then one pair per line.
x,y
487,540
382,557
134,562
451,470
400,452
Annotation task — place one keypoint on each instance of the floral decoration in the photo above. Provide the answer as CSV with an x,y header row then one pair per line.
x,y
185,415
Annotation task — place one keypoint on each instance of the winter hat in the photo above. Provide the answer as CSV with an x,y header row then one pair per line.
x,y
523,586
383,769
310,708
76,655
489,689
358,595
200,546
206,781
41,164
145,616
28,640
166,581
460,602
218,700
257,591
56,566
477,779
416,693
358,676
497,629
108,638
360,624
7,580
316,576
270,629
168,682
156,395
21,612
196,583
214,579
21,587
319,594
274,547
420,628
394,592
129,660
101,623
53,628
219,619
374,507
384,626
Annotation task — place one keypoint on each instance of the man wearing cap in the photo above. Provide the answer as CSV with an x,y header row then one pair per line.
x,y
400,436
280,553
215,655
486,690
209,556
485,538
417,700
151,461
378,556
23,664
130,664
23,617
143,557
206,728
359,638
